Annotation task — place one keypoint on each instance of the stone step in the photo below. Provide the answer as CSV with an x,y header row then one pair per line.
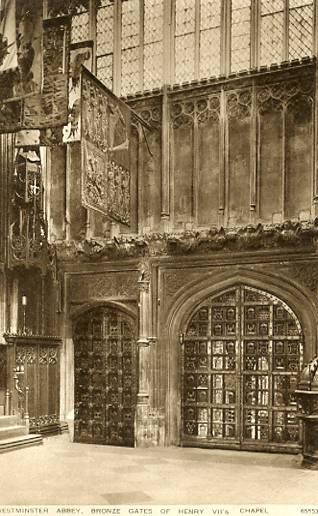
x,y
12,431
22,441
6,421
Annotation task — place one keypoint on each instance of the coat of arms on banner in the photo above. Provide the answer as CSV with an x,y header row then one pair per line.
x,y
33,80
105,132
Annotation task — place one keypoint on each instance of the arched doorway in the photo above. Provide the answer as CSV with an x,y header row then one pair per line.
x,y
241,356
105,363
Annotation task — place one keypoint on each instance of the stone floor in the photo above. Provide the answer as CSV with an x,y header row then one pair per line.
x,y
61,472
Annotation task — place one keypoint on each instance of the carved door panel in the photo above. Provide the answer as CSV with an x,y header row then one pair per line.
x,y
105,378
241,357
38,358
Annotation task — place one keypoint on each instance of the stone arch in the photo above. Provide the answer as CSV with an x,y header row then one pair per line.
x,y
299,299
117,305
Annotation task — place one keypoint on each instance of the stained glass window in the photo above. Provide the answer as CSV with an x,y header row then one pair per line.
x,y
210,37
240,35
301,15
272,31
153,43
184,40
104,43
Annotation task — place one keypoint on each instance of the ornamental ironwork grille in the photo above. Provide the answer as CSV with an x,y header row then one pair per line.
x,y
28,226
241,358
105,378
143,44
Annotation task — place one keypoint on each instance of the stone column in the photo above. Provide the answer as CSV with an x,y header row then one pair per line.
x,y
146,431
143,340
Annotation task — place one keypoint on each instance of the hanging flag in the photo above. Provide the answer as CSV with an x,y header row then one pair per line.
x,y
8,46
105,142
20,59
20,48
50,107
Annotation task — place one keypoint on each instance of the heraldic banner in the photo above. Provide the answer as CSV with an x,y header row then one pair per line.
x,y
105,137
34,62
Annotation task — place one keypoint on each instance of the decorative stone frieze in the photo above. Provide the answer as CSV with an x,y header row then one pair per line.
x,y
289,235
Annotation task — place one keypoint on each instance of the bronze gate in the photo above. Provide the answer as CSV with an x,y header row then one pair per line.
x,y
105,377
241,357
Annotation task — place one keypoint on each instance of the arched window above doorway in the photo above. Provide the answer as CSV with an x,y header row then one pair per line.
x,y
241,356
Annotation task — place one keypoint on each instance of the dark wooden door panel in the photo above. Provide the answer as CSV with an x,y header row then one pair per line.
x,y
105,378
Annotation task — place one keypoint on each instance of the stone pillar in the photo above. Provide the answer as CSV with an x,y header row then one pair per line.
x,y
146,420
143,340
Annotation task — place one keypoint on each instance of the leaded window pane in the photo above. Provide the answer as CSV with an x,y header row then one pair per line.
x,y
241,34
185,17
153,21
105,70
153,43
153,65
300,28
130,20
130,40
130,70
184,64
184,40
210,37
105,30
105,42
272,31
80,27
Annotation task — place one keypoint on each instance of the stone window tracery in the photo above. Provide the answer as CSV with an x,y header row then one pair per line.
x,y
143,44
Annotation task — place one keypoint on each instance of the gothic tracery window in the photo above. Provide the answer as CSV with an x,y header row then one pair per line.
x,y
199,38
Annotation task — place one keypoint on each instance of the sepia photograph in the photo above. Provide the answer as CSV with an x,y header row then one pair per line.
x,y
158,257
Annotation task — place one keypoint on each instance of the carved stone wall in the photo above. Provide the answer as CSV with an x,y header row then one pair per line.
x,y
242,166
107,285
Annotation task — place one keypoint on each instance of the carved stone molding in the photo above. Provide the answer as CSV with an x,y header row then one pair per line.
x,y
289,235
175,280
151,115
106,285
204,109
306,274
277,95
239,104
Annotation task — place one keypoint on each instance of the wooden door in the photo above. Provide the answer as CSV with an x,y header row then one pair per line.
x,y
105,377
241,357
37,362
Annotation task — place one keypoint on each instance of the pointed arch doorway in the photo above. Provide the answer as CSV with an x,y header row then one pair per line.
x,y
241,354
105,363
